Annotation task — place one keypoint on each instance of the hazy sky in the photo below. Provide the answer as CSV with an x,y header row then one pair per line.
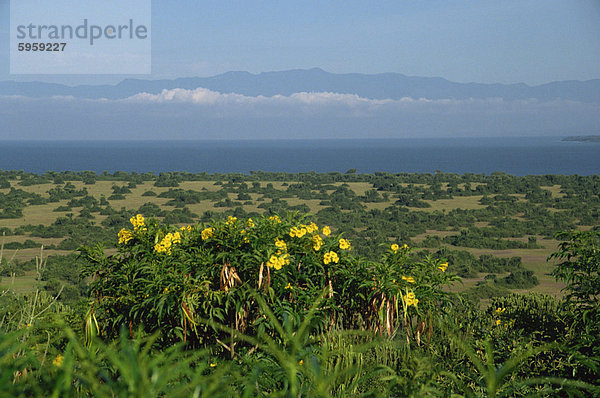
x,y
485,41
489,41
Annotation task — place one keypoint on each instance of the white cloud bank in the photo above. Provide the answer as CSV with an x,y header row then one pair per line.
x,y
202,113
311,103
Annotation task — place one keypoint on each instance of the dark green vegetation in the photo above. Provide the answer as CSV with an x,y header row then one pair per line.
x,y
279,306
225,312
449,215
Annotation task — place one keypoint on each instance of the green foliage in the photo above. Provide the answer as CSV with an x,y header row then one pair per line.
x,y
168,279
579,269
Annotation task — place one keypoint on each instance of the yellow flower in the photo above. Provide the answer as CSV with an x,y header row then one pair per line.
x,y
125,236
409,279
275,218
188,228
395,248
278,262
176,238
137,221
280,244
443,267
169,240
317,242
500,310
326,231
159,248
301,362
312,228
58,360
297,232
330,257
250,223
498,322
345,244
166,290
289,286
405,246
231,220
212,365
410,299
207,233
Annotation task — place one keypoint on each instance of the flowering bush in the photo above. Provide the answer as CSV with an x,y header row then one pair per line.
x,y
184,281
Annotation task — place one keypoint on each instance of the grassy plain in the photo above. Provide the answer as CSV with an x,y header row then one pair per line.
x,y
46,214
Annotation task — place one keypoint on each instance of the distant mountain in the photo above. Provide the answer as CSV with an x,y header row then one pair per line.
x,y
583,138
377,86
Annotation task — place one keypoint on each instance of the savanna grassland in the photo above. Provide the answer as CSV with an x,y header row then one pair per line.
x,y
299,284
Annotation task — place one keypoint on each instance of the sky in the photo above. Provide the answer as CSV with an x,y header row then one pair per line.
x,y
484,41
487,41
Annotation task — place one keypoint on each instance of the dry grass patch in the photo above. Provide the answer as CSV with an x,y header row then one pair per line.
x,y
198,185
19,285
40,189
555,191
459,202
313,204
35,215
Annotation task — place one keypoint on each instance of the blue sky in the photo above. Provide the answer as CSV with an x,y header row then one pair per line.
x,y
484,41
489,41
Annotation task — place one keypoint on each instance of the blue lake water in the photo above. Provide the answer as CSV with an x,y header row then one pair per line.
x,y
513,155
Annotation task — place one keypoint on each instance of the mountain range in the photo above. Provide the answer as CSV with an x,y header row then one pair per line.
x,y
373,86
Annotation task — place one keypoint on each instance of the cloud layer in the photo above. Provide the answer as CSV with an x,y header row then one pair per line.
x,y
202,113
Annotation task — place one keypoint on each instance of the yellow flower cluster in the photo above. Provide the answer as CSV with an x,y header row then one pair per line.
x,y
125,236
330,257
301,230
137,221
187,229
280,244
500,310
207,233
250,223
395,247
411,299
278,262
345,244
443,267
165,244
311,228
317,242
409,279
326,231
275,218
231,220
298,232
289,286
